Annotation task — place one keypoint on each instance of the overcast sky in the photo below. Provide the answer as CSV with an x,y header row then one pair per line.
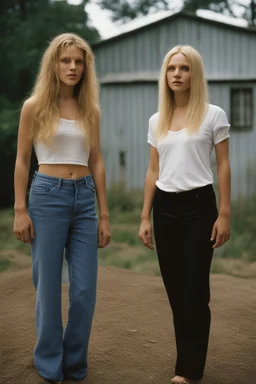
x,y
100,19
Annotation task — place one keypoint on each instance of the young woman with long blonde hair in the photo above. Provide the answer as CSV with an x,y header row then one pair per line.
x,y
187,224
62,120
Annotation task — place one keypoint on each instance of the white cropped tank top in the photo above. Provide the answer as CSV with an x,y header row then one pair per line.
x,y
68,146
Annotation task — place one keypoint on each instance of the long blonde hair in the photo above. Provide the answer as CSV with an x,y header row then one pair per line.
x,y
198,98
47,86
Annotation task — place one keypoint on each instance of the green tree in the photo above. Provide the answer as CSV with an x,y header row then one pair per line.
x,y
227,7
125,10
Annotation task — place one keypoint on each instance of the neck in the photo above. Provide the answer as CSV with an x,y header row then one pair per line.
x,y
66,92
181,99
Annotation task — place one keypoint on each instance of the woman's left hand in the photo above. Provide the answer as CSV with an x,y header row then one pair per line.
x,y
221,231
103,233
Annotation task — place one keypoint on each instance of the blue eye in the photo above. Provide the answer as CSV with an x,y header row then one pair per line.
x,y
65,60
184,68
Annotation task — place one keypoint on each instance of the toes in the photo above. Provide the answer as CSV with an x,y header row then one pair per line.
x,y
177,380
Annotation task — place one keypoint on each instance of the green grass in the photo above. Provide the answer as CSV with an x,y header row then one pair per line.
x,y
137,258
7,238
242,244
126,234
4,265
126,250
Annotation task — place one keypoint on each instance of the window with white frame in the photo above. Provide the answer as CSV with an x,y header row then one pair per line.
x,y
242,109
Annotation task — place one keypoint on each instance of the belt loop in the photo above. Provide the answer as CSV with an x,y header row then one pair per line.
x,y
59,183
85,181
33,179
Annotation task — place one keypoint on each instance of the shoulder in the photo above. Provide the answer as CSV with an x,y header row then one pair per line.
x,y
30,103
215,110
29,106
215,114
153,119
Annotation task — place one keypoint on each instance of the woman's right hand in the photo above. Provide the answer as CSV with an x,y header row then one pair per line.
x,y
145,233
23,227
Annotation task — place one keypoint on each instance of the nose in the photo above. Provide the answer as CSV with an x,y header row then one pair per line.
x,y
72,65
177,73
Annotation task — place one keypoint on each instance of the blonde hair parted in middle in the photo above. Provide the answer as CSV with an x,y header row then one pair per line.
x,y
198,98
47,86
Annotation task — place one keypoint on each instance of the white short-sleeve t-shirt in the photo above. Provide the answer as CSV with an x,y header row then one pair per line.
x,y
184,160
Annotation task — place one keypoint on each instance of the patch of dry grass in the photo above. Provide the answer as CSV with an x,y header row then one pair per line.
x,y
236,258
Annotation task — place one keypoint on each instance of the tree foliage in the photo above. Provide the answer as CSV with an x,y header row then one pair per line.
x,y
232,8
125,10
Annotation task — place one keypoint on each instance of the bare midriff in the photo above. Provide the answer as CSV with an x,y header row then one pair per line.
x,y
64,171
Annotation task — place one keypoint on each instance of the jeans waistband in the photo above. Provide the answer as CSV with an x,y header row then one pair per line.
x,y
197,192
61,181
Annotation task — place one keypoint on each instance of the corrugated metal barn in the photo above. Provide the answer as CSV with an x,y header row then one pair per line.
x,y
128,68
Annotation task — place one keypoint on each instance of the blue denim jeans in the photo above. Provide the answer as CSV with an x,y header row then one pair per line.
x,y
65,222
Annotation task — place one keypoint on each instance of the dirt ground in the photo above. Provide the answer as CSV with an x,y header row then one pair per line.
x,y
132,340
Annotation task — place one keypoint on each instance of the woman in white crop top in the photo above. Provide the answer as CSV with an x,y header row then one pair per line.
x,y
187,224
62,120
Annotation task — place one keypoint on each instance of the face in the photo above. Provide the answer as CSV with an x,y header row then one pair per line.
x,y
178,73
70,65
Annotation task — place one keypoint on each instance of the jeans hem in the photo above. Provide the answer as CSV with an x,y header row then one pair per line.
x,y
191,377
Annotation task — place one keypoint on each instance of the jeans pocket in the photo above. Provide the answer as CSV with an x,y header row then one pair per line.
x,y
157,196
91,185
208,206
43,188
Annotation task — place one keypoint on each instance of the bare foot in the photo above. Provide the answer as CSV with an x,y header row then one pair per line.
x,y
188,381
178,380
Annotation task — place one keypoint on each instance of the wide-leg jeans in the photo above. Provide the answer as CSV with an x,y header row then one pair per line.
x,y
65,222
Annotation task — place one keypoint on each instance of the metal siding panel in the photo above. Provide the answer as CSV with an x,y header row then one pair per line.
x,y
125,114
130,155
225,52
193,34
134,133
242,146
130,55
115,59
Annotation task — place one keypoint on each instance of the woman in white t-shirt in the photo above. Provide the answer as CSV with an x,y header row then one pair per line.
x,y
187,224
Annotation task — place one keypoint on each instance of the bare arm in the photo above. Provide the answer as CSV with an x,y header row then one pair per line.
x,y
224,178
96,165
221,229
150,183
145,232
23,227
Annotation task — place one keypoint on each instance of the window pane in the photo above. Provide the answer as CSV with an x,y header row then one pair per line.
x,y
241,108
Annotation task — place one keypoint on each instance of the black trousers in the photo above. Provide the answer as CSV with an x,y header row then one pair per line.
x,y
183,224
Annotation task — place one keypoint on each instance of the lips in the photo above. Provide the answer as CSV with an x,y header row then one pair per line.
x,y
177,82
72,75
